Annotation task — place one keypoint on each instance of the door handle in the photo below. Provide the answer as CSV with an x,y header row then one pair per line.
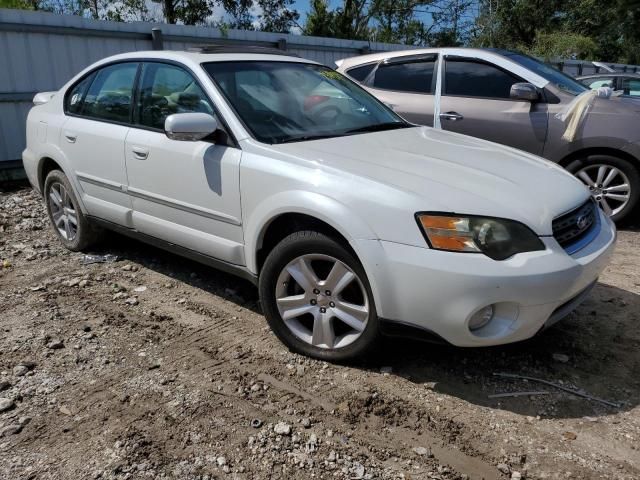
x,y
452,116
140,153
71,137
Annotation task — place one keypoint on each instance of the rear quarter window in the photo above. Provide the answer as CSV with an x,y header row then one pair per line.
x,y
411,77
361,73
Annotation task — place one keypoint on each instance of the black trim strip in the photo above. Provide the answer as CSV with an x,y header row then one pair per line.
x,y
12,97
237,270
220,217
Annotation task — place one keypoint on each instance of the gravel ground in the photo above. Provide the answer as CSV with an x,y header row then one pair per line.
x,y
157,367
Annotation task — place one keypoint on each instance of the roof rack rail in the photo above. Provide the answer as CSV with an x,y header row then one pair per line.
x,y
216,48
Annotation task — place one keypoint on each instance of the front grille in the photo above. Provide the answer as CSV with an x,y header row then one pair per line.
x,y
573,228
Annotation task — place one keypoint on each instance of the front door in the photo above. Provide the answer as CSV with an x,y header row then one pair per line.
x,y
93,136
183,192
476,101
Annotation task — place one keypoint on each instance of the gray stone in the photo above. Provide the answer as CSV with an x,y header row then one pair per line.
x,y
55,344
10,430
504,468
561,357
20,370
422,451
6,404
282,428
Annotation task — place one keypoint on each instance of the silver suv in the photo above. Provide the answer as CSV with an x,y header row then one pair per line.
x,y
512,99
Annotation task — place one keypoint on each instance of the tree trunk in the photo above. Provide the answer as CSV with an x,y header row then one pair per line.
x,y
169,11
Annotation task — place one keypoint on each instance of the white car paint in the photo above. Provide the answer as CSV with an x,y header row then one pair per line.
x,y
219,201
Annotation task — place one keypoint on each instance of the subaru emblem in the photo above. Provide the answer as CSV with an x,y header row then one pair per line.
x,y
582,221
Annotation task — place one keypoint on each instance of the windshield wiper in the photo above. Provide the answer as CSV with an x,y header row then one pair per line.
x,y
379,127
303,138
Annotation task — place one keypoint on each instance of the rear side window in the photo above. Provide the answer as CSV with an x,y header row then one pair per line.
x,y
595,83
476,79
75,97
415,77
360,73
168,89
110,94
631,86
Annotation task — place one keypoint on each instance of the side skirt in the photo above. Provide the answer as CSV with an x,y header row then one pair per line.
x,y
237,270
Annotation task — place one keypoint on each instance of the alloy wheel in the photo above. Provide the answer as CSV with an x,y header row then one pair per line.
x,y
322,301
63,211
608,185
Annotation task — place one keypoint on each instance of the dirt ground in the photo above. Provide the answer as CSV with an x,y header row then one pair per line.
x,y
157,367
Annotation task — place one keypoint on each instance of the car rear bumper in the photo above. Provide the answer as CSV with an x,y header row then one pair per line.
x,y
30,167
439,291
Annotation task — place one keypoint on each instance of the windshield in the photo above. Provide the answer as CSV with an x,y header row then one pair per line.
x,y
560,80
285,101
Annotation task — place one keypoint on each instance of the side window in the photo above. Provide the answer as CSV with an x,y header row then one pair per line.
x,y
596,83
109,96
631,86
74,101
467,78
416,77
168,89
360,73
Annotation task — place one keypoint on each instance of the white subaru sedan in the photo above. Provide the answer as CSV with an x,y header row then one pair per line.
x,y
352,222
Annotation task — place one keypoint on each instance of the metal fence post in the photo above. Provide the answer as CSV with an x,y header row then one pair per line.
x,y
156,38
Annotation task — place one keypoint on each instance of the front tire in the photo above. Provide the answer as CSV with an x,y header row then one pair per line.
x,y
69,223
613,182
316,298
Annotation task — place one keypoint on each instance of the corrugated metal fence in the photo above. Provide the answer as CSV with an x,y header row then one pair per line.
x,y
41,51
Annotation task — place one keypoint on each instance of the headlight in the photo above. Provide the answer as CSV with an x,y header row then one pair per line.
x,y
497,238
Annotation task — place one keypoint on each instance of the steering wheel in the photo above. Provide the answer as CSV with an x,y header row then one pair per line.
x,y
326,115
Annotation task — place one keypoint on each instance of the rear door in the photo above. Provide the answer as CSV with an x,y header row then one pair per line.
x,y
183,192
476,101
99,110
406,84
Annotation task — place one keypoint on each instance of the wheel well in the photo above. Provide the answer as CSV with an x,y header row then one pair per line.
x,y
46,166
288,223
598,151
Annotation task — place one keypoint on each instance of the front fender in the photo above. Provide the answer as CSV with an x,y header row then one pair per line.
x,y
338,215
328,210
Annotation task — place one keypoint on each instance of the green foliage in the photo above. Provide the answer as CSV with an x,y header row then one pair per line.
x,y
588,29
18,4
566,45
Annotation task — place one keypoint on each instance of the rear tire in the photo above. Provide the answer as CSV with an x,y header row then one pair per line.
x,y
69,223
317,300
606,177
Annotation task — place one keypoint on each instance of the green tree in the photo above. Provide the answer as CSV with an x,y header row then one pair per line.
x,y
550,46
320,20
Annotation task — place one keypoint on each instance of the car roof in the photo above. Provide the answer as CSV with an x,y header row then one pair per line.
x,y
203,56
608,74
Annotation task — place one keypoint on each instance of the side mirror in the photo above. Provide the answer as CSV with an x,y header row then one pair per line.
x,y
189,126
524,91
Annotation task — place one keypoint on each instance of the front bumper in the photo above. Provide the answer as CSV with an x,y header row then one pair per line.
x,y
439,291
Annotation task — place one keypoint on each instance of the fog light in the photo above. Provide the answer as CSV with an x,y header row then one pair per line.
x,y
481,318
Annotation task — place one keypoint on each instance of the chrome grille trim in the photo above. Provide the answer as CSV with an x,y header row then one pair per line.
x,y
577,228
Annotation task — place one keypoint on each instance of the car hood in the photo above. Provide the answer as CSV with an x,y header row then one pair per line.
x,y
449,172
